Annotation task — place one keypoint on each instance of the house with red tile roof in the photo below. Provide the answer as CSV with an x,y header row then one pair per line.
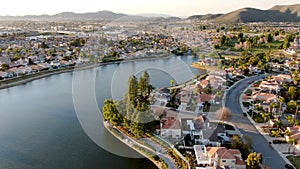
x,y
170,127
219,157
265,97
270,85
207,98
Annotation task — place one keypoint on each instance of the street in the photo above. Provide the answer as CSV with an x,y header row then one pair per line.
x,y
259,143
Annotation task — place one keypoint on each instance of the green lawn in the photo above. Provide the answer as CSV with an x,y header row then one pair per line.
x,y
295,160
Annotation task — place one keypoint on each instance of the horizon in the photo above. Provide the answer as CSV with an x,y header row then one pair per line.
x,y
178,8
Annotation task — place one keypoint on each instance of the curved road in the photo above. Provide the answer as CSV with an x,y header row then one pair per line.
x,y
259,143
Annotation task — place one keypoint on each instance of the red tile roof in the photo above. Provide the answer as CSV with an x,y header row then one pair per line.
x,y
206,98
171,123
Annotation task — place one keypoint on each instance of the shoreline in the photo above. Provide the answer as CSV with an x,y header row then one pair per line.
x,y
16,81
106,125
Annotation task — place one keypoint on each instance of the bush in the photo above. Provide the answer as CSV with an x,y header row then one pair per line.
x,y
246,104
279,142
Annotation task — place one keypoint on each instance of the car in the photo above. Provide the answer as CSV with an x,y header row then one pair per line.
x,y
288,166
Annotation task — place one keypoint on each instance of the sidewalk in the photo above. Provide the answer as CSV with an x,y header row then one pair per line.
x,y
282,149
131,142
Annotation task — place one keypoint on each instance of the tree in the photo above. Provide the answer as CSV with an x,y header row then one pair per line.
x,y
286,45
278,124
276,133
237,143
291,142
293,92
224,113
265,116
281,101
4,66
291,120
132,90
254,160
172,82
269,38
223,40
139,118
111,113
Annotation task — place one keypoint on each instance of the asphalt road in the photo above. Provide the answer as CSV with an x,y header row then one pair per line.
x,y
271,157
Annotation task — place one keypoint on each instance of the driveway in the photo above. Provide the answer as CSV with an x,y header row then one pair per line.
x,y
259,143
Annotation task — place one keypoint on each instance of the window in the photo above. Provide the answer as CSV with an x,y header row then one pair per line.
x,y
223,161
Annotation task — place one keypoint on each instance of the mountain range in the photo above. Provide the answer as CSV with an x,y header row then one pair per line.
x,y
279,13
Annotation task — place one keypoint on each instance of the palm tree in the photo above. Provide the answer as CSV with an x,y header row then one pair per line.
x,y
291,142
281,101
291,120
278,124
172,82
273,106
265,115
276,133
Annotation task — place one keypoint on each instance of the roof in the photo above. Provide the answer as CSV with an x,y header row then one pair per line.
x,y
204,83
296,136
294,129
206,97
265,96
171,123
223,152
239,161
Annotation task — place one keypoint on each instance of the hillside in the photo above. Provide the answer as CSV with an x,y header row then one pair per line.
x,y
257,15
205,17
293,9
283,13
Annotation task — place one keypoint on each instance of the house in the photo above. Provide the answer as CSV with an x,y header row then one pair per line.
x,y
295,134
270,85
204,83
207,98
265,97
215,81
281,78
185,96
170,127
219,157
3,74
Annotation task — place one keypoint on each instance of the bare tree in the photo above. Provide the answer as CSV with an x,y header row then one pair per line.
x,y
224,113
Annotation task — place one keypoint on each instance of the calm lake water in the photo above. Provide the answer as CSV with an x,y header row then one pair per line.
x,y
40,129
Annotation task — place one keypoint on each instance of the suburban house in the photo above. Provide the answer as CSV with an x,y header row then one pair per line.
x,y
270,85
185,96
170,127
215,81
3,74
219,157
295,134
265,97
281,78
207,98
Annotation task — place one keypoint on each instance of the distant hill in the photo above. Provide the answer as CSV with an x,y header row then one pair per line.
x,y
284,13
205,17
101,15
293,9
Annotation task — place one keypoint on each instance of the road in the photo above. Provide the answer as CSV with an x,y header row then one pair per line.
x,y
259,143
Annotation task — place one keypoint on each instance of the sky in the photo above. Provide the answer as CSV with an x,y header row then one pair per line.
x,y
170,7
